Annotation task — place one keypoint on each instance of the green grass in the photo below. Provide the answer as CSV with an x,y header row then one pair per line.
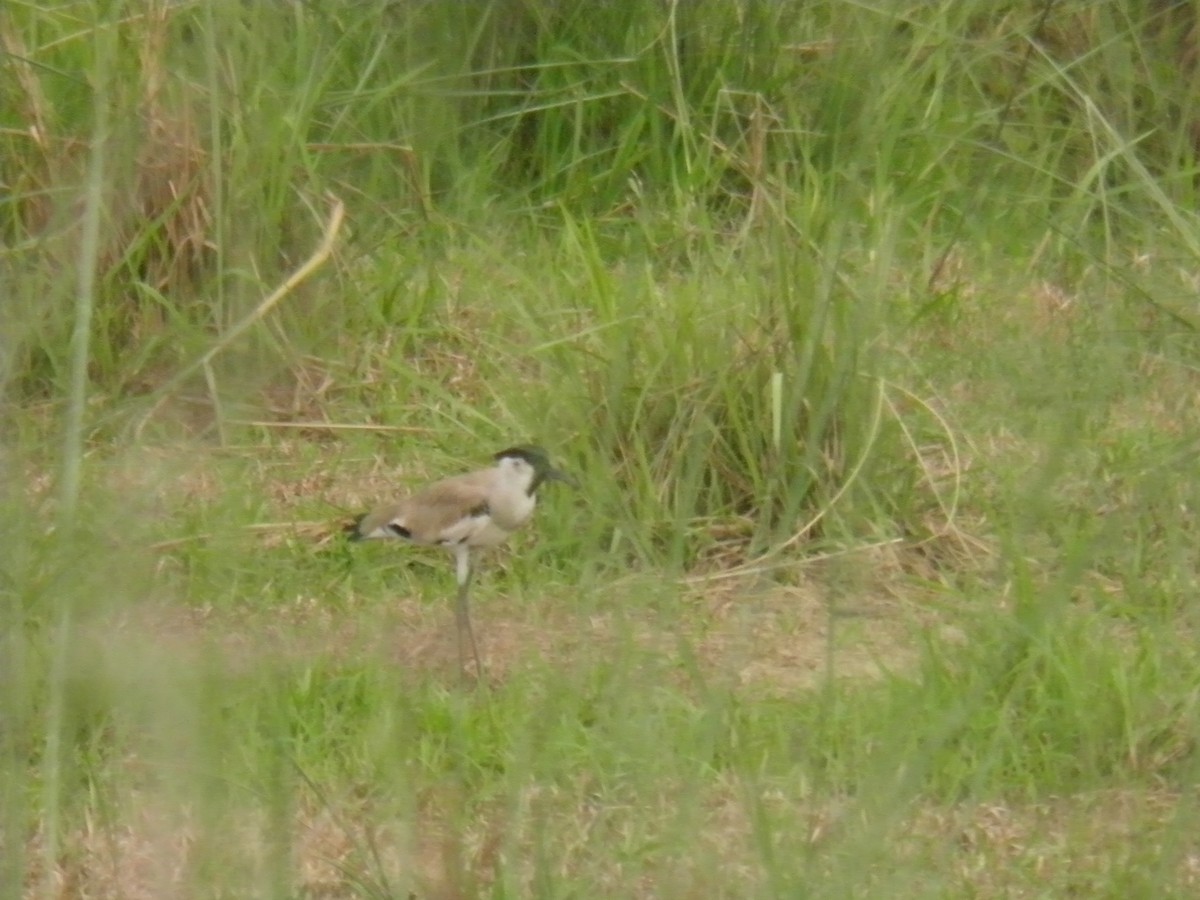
x,y
870,330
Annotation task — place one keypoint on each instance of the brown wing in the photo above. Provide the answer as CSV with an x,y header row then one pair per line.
x,y
424,516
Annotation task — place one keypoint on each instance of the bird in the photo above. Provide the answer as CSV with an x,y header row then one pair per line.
x,y
467,512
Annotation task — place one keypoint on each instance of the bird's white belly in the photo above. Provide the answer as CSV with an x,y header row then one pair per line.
x,y
488,535
477,531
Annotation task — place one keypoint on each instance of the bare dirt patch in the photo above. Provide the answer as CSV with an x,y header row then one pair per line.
x,y
777,638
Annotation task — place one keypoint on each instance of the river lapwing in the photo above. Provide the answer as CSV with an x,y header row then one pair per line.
x,y
474,510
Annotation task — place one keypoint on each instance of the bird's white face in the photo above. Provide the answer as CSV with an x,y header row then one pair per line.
x,y
515,473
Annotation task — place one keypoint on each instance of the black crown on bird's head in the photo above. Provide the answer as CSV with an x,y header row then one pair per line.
x,y
539,460
531,453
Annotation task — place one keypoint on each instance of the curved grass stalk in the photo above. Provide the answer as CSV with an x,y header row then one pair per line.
x,y
324,250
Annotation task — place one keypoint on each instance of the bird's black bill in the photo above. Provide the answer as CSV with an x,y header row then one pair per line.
x,y
558,475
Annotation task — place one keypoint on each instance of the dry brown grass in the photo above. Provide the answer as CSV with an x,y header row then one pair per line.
x,y
1070,846
451,847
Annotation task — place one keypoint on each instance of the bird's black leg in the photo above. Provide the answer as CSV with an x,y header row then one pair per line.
x,y
462,611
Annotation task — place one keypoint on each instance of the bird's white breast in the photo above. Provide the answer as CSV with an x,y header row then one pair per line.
x,y
510,506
